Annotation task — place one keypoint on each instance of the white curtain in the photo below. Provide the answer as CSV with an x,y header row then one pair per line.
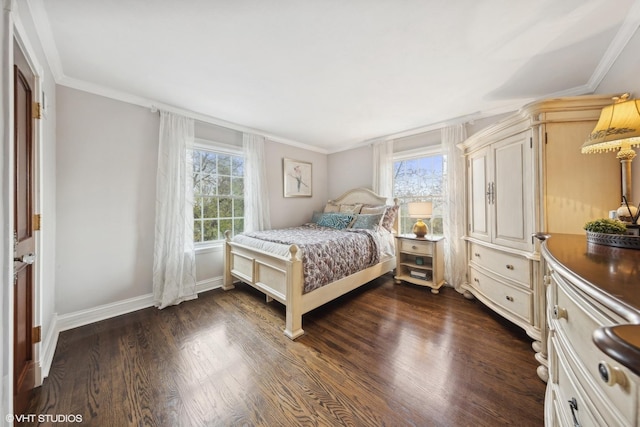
x,y
256,197
383,168
174,271
454,206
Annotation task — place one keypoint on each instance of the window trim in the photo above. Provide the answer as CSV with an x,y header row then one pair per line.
x,y
431,150
218,147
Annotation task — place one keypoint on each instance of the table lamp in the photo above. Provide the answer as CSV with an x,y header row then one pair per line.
x,y
420,210
619,129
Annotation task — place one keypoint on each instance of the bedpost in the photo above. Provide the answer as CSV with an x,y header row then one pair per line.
x,y
227,280
295,284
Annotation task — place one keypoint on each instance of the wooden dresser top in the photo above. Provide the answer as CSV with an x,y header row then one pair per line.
x,y
612,277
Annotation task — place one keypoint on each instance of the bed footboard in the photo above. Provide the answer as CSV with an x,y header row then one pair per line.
x,y
279,278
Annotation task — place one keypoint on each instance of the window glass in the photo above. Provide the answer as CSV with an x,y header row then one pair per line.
x,y
218,190
420,179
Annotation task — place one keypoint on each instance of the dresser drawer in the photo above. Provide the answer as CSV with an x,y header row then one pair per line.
x,y
569,402
416,246
513,299
505,264
574,320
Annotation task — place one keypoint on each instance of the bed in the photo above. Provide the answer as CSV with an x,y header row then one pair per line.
x,y
277,269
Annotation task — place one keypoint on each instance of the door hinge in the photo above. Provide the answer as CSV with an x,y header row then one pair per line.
x,y
36,222
37,110
36,334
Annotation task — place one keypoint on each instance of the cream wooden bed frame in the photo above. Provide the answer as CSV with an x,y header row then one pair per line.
x,y
281,278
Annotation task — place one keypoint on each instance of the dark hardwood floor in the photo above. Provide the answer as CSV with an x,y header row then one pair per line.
x,y
383,355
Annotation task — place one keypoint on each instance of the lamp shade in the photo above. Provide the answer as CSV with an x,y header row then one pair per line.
x,y
618,126
420,209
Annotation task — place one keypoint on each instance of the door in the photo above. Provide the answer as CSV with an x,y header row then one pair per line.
x,y
512,192
479,195
23,232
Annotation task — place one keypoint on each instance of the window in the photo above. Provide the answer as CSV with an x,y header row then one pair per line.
x,y
218,190
420,179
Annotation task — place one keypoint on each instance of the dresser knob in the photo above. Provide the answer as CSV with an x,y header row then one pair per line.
x,y
611,375
475,279
559,313
476,254
509,267
509,298
414,247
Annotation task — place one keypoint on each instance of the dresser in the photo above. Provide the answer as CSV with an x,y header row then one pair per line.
x,y
593,306
526,174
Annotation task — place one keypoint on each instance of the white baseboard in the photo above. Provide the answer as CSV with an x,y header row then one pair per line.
x,y
96,314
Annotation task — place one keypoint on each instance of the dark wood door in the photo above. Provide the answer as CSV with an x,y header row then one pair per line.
x,y
24,240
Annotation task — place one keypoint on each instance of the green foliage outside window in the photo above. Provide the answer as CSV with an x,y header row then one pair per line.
x,y
420,180
218,187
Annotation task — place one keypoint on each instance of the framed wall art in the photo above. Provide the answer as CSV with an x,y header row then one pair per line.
x,y
297,178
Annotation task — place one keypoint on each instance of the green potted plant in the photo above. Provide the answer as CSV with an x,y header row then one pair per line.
x,y
610,232
606,226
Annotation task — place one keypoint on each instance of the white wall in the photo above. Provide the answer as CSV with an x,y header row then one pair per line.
x,y
350,169
291,211
624,76
107,157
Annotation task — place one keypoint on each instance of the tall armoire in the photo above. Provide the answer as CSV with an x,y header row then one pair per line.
x,y
526,174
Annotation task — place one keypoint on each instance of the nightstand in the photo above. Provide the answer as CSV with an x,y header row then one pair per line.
x,y
420,261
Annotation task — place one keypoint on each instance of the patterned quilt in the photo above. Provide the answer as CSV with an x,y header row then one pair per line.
x,y
327,254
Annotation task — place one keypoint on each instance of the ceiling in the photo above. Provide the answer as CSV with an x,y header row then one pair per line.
x,y
333,73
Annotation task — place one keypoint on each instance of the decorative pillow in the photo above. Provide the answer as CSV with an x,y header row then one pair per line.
x,y
316,217
368,209
355,208
368,221
330,207
389,217
335,220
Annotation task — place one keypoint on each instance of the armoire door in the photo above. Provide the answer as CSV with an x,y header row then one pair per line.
x,y
512,191
480,179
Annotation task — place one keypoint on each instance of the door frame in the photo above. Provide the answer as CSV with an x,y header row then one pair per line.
x,y
12,30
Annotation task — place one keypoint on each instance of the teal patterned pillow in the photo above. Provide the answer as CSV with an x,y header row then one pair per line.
x,y
335,220
368,221
316,217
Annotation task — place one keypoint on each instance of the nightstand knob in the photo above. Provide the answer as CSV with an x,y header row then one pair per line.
x,y
475,279
476,254
559,313
414,247
509,298
611,375
509,267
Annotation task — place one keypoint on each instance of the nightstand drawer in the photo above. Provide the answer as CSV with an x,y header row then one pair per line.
x,y
419,247
505,264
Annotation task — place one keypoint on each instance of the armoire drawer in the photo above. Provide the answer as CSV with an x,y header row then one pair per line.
x,y
505,264
512,298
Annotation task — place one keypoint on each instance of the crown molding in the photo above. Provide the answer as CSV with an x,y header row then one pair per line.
x,y
45,37
621,39
627,29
